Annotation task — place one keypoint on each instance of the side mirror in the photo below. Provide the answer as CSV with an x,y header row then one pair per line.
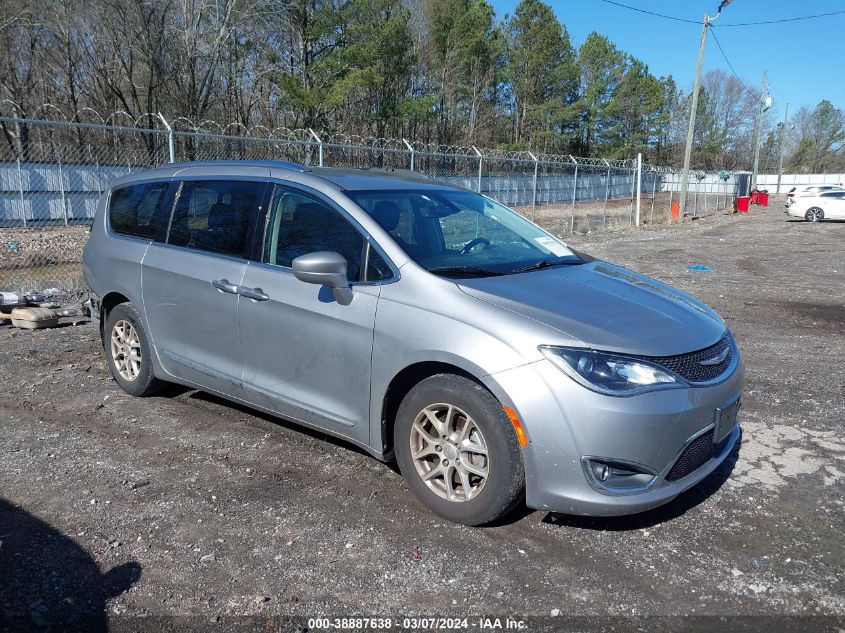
x,y
324,268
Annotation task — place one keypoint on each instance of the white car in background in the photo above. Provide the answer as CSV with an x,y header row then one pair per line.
x,y
829,205
803,191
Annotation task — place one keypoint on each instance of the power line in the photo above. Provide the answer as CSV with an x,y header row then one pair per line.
x,y
723,25
727,61
659,15
803,17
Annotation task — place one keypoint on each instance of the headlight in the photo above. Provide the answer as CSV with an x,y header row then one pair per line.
x,y
610,374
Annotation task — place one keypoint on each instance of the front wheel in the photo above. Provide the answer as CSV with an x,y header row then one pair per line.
x,y
814,215
457,450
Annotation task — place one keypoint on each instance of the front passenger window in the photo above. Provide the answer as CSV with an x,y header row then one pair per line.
x,y
300,224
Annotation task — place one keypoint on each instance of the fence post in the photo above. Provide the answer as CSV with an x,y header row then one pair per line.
x,y
319,146
574,195
62,190
171,142
534,186
695,209
653,195
633,195
671,194
20,188
639,184
99,173
606,193
410,149
480,164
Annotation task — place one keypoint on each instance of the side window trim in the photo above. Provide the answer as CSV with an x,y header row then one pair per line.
x,y
177,193
369,242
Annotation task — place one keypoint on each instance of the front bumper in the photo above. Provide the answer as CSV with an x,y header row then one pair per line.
x,y
566,423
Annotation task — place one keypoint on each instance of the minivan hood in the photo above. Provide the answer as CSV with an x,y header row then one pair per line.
x,y
605,307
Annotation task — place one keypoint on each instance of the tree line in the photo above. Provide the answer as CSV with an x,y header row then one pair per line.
x,y
437,71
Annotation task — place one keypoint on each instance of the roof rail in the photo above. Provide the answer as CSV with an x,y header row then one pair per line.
x,y
279,164
409,173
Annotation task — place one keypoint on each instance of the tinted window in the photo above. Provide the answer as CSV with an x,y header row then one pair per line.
x,y
140,211
377,268
456,233
300,224
216,216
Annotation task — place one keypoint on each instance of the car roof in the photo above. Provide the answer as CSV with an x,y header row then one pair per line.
x,y
340,179
374,179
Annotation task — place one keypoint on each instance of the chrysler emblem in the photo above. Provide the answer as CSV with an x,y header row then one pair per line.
x,y
715,360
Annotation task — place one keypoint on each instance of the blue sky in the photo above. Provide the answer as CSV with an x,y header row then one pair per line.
x,y
805,59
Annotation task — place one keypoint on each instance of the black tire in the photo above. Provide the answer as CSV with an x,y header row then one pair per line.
x,y
144,383
814,214
504,485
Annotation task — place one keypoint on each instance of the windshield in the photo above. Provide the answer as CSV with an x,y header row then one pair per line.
x,y
463,234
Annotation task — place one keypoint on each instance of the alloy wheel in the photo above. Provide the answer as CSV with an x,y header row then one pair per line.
x,y
126,350
449,452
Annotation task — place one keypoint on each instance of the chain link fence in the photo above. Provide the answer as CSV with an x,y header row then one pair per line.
x,y
52,174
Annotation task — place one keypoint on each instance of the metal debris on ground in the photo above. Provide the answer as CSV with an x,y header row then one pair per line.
x,y
33,310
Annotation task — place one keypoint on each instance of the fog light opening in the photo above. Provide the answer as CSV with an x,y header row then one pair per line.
x,y
618,477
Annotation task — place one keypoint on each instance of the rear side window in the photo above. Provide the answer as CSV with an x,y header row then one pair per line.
x,y
216,216
140,210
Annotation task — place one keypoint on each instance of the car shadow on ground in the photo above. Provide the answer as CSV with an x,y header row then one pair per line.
x,y
48,582
672,510
803,221
176,390
668,512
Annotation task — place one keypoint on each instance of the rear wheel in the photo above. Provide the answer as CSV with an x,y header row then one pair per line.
x,y
814,214
128,352
457,450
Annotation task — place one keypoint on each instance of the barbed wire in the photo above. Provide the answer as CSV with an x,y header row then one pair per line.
x,y
122,121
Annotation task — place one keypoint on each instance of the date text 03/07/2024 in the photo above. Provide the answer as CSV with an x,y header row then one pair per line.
x,y
418,623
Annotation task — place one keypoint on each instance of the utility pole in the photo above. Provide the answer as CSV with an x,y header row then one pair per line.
x,y
780,148
693,112
759,128
694,106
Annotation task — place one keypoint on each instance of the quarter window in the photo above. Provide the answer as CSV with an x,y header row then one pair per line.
x,y
301,224
140,210
216,216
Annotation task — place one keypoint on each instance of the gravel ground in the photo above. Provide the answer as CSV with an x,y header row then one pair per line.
x,y
186,505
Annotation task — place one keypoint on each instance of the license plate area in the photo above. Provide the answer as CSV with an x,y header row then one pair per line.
x,y
726,420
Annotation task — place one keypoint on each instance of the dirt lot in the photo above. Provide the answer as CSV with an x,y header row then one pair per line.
x,y
185,505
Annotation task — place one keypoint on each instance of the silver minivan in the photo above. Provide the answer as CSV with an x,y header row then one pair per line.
x,y
421,322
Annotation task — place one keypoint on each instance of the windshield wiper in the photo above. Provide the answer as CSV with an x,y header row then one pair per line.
x,y
465,271
547,263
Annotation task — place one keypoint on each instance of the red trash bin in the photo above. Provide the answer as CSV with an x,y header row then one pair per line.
x,y
755,197
742,204
763,199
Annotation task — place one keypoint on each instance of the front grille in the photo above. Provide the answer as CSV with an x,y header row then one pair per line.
x,y
698,453
689,366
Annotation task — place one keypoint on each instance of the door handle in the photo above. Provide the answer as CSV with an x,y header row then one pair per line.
x,y
256,294
224,286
